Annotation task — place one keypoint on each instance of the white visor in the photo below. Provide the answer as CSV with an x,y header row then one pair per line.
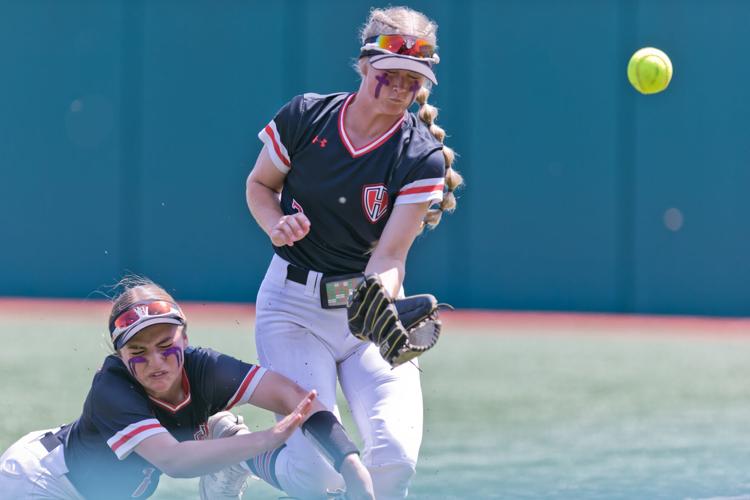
x,y
406,63
140,325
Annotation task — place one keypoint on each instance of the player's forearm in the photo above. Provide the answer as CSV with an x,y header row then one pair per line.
x,y
389,257
391,270
263,203
196,458
278,394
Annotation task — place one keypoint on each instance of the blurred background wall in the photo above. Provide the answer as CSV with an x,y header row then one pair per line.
x,y
127,129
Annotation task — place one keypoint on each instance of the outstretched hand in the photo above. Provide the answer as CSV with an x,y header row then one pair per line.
x,y
284,428
290,228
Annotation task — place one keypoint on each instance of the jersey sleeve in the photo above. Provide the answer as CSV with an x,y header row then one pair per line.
x,y
424,183
280,134
225,381
122,414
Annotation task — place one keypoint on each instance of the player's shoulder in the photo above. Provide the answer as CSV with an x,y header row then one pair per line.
x,y
204,362
312,105
422,144
113,383
196,355
421,134
112,371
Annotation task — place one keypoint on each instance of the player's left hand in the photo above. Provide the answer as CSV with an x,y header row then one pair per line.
x,y
402,329
284,428
290,228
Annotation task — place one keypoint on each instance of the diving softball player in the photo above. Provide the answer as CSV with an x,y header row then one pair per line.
x,y
156,406
343,185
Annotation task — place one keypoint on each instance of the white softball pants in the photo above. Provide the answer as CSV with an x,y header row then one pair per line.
x,y
312,346
28,470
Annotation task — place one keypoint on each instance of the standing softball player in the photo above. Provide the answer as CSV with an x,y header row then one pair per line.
x,y
158,406
343,185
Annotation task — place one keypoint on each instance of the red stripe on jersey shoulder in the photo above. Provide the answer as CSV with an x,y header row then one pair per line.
x,y
422,189
275,142
130,435
243,386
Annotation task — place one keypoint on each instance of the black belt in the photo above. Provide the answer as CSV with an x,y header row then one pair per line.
x,y
52,440
334,289
296,274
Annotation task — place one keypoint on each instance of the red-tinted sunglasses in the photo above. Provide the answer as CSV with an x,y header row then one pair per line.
x,y
142,311
402,44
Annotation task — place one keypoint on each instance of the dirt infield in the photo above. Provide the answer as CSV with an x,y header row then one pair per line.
x,y
484,321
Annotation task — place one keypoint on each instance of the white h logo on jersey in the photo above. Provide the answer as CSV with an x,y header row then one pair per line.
x,y
374,201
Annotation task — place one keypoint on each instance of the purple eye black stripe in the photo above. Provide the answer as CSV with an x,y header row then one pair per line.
x,y
382,80
134,361
177,351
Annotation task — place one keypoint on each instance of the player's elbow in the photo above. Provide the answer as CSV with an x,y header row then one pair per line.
x,y
179,469
182,475
166,454
251,187
172,463
172,468
178,474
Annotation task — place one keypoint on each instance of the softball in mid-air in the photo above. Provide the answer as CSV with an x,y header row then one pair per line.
x,y
649,70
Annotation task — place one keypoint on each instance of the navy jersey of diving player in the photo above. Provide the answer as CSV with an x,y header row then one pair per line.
x,y
118,415
346,192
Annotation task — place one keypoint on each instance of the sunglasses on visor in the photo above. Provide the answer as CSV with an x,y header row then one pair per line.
x,y
402,45
143,311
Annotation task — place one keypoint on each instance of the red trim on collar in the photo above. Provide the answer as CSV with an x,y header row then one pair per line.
x,y
175,408
372,145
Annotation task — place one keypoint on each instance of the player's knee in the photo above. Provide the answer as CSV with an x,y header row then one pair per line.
x,y
391,481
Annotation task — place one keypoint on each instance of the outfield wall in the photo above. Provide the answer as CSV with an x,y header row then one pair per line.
x,y
128,129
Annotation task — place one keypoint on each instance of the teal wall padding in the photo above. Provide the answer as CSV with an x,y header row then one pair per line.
x,y
127,129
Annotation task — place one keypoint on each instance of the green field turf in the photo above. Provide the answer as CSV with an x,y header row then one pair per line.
x,y
511,411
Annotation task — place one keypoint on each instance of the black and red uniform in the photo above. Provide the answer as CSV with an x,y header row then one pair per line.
x,y
118,415
347,193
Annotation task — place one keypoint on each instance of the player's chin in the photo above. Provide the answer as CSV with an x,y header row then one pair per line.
x,y
394,106
159,382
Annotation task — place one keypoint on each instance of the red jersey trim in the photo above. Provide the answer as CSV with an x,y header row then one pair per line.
x,y
130,435
354,152
424,189
181,405
239,395
124,441
276,147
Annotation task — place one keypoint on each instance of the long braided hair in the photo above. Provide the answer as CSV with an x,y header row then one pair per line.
x,y
406,21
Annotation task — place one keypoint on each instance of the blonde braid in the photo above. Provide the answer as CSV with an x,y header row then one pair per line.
x,y
398,20
406,21
428,113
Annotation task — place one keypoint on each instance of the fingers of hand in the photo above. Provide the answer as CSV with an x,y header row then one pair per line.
x,y
288,424
302,220
282,235
295,227
279,239
305,405
289,229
